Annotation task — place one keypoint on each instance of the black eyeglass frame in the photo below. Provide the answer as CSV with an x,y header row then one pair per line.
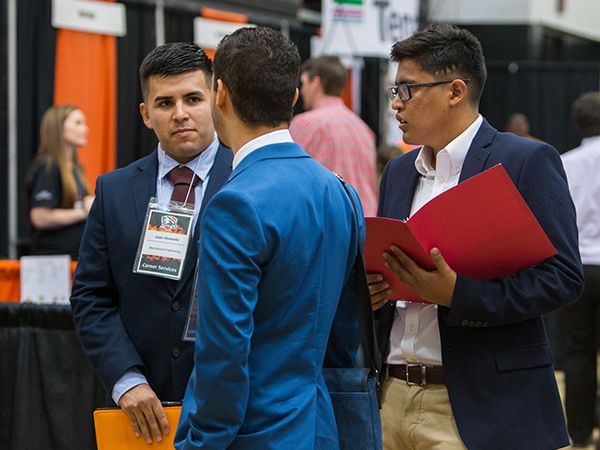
x,y
398,90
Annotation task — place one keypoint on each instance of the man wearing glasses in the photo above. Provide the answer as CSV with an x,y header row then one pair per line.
x,y
472,368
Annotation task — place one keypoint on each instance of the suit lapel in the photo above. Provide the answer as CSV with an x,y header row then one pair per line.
x,y
406,193
219,173
144,185
478,151
400,188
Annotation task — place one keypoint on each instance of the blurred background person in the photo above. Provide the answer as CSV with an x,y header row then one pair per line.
x,y
58,197
333,134
579,321
518,124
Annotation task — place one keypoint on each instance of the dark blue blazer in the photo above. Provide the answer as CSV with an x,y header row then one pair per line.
x,y
495,354
125,319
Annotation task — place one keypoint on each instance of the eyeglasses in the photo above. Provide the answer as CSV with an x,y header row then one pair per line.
x,y
403,90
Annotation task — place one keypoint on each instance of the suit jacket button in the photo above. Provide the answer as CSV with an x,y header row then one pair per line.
x,y
175,306
176,352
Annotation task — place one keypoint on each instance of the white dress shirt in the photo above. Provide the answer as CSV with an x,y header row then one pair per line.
x,y
274,137
415,335
582,166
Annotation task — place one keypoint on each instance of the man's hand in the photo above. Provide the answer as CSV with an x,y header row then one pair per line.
x,y
145,412
379,290
436,286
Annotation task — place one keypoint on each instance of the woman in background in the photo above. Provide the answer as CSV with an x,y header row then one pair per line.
x,y
59,200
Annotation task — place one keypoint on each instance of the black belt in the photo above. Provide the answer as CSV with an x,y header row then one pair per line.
x,y
416,374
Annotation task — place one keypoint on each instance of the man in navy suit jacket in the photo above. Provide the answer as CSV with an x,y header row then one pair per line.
x,y
473,368
277,246
130,324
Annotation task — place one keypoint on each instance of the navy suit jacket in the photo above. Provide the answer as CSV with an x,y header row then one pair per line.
x,y
277,247
124,319
495,354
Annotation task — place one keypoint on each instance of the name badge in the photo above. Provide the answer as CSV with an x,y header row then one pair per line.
x,y
164,240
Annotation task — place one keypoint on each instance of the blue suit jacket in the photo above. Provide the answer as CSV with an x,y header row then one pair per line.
x,y
125,319
277,246
495,354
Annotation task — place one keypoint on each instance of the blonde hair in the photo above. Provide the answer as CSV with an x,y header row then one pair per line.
x,y
52,146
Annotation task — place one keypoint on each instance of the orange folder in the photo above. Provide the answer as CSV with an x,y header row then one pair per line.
x,y
114,431
482,226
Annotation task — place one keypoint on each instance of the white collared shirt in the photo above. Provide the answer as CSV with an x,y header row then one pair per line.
x,y
582,166
274,137
415,335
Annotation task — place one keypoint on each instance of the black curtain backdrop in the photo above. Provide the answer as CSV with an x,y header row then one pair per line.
x,y
134,140
179,24
370,98
543,91
4,124
35,90
48,390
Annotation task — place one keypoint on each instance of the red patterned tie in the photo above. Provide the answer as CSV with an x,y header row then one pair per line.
x,y
181,177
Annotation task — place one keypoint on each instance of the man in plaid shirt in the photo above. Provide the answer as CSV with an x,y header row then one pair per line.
x,y
331,133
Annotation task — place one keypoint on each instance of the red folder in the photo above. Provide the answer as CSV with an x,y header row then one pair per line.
x,y
482,226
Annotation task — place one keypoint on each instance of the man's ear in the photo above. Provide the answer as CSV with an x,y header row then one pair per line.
x,y
221,94
145,116
459,92
296,96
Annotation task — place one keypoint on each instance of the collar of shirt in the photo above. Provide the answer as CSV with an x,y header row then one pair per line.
x,y
330,101
450,159
201,164
591,142
273,137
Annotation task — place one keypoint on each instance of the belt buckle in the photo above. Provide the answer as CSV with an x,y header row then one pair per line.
x,y
423,375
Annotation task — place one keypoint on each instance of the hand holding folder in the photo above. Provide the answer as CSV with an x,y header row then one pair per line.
x,y
482,226
113,430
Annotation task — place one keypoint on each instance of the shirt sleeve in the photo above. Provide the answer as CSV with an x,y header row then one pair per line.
x,y
130,379
46,187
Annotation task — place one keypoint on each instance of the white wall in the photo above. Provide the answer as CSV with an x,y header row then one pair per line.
x,y
579,17
481,11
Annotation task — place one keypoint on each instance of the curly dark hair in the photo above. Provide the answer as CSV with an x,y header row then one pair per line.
x,y
260,68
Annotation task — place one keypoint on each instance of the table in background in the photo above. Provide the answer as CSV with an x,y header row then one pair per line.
x,y
10,280
48,389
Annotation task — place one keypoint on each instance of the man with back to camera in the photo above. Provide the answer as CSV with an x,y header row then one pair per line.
x,y
131,324
579,322
278,243
473,368
332,133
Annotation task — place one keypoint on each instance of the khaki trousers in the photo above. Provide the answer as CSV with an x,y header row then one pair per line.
x,y
418,418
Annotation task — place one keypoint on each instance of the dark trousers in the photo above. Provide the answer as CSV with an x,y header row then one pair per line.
x,y
580,326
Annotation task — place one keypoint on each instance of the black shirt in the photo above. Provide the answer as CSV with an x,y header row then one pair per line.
x,y
44,188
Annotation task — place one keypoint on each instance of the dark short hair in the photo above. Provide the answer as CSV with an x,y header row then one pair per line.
x,y
586,114
441,49
172,59
330,70
260,68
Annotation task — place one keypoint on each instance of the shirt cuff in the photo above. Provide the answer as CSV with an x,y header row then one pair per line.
x,y
130,379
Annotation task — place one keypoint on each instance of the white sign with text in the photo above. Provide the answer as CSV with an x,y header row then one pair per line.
x,y
45,279
365,27
208,32
89,16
